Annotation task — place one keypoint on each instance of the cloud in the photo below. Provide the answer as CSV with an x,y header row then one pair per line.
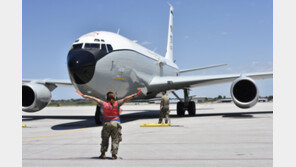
x,y
224,33
254,63
250,67
229,69
146,43
257,66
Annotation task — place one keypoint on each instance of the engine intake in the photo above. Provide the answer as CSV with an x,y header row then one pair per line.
x,y
34,97
244,92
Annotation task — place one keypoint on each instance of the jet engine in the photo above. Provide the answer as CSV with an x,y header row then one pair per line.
x,y
34,97
244,92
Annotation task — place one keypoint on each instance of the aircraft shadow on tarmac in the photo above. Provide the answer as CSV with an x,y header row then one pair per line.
x,y
88,121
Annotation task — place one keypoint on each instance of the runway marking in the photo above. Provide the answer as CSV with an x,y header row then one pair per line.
x,y
155,159
54,134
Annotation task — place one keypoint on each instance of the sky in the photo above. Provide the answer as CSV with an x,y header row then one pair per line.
x,y
206,32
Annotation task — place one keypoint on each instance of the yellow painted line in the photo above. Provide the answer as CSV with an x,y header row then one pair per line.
x,y
54,134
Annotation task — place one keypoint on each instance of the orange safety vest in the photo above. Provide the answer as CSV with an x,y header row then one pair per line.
x,y
111,113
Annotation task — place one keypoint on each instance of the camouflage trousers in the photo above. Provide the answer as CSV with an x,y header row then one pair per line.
x,y
164,113
112,129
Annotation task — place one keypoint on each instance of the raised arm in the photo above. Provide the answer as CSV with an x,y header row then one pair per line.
x,y
127,98
93,98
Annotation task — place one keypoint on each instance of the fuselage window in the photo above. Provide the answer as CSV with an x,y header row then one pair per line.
x,y
110,49
92,45
103,47
77,46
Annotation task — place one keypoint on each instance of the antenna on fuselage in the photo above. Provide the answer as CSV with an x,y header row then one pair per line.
x,y
118,30
169,50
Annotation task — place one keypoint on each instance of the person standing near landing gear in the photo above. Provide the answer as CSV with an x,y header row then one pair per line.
x,y
111,124
164,108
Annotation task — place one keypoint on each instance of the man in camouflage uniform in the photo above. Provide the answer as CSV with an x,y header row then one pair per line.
x,y
164,108
111,122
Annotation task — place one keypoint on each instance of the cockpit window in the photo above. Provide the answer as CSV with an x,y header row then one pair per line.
x,y
77,46
110,49
92,45
103,47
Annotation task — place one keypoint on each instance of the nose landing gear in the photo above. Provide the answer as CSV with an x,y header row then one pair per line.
x,y
98,116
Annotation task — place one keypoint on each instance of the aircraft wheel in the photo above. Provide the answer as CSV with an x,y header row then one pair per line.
x,y
180,109
191,108
98,116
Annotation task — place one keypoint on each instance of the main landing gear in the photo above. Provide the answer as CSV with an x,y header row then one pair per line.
x,y
185,104
98,116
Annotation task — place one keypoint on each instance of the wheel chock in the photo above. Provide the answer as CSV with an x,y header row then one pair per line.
x,y
155,125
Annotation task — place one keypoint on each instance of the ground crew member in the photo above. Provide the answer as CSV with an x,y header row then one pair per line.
x,y
164,108
111,122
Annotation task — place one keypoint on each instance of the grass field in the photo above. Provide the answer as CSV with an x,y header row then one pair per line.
x,y
71,102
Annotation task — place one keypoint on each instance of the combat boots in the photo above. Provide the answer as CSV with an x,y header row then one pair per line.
x,y
102,156
114,156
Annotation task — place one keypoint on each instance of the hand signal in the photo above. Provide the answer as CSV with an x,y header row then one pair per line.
x,y
139,92
79,93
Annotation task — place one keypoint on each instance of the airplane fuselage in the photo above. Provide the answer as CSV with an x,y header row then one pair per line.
x,y
101,61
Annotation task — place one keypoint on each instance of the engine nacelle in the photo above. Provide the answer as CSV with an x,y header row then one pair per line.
x,y
35,97
244,92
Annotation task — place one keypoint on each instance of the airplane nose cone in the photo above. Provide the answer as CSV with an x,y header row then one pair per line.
x,y
81,65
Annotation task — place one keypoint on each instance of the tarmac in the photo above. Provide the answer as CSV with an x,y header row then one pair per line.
x,y
220,134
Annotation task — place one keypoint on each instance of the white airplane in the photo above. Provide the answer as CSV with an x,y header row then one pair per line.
x,y
101,61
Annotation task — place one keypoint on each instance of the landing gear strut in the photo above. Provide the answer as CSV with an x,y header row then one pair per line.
x,y
98,116
187,104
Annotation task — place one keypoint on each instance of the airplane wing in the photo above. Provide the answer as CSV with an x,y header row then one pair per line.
x,y
54,82
180,82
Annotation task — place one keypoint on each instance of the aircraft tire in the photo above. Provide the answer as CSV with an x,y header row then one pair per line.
x,y
98,115
191,108
180,109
